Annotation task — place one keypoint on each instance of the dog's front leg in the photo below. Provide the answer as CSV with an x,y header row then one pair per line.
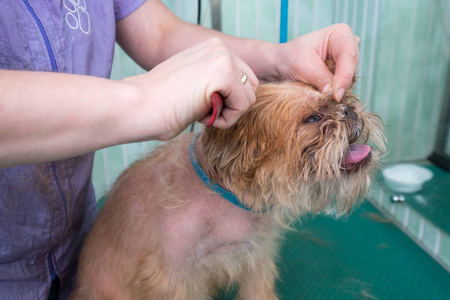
x,y
153,281
258,282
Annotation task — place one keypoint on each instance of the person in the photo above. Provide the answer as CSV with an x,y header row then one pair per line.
x,y
57,106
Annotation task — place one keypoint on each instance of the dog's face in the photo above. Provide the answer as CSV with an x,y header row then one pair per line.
x,y
297,150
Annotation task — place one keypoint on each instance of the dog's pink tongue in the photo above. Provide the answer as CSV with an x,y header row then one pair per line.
x,y
356,153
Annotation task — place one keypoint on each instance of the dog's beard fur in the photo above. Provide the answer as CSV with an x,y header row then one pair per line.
x,y
286,155
163,234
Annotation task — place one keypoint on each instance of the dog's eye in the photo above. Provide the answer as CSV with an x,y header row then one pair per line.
x,y
313,118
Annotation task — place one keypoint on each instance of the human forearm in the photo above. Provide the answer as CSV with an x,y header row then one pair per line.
x,y
50,116
260,55
153,33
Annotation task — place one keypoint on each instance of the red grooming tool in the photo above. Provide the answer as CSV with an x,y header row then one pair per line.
x,y
217,104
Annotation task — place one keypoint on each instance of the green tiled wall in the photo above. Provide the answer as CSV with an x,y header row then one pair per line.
x,y
404,53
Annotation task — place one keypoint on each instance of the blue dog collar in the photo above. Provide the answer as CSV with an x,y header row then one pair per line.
x,y
209,183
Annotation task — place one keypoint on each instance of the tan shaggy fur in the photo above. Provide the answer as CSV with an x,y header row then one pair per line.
x,y
163,234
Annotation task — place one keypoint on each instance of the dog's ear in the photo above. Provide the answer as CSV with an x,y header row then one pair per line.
x,y
331,64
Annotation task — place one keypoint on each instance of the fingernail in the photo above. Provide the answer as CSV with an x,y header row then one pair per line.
x,y
339,94
326,88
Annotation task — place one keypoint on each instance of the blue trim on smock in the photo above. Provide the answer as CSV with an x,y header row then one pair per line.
x,y
44,35
52,270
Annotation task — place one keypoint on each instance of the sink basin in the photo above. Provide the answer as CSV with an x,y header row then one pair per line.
x,y
406,178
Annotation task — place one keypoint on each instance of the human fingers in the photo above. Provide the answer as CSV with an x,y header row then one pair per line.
x,y
237,89
343,48
315,72
178,91
303,59
345,71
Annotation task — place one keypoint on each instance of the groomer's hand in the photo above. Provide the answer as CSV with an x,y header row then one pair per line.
x,y
303,58
178,91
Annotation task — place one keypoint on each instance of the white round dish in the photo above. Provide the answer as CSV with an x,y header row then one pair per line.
x,y
406,178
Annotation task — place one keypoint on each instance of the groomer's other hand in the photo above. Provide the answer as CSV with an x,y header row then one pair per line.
x,y
178,91
303,58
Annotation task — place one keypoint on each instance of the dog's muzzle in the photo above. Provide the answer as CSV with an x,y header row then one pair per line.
x,y
354,124
357,155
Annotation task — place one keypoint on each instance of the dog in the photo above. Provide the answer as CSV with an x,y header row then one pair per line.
x,y
206,211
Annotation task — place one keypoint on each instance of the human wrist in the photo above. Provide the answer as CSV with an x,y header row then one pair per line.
x,y
140,114
267,67
121,122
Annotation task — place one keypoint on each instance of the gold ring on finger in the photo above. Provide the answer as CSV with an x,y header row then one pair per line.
x,y
244,78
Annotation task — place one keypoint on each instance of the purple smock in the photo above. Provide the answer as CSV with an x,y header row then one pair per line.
x,y
46,209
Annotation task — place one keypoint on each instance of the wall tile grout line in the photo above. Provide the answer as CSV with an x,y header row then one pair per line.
x,y
406,218
373,44
421,228
391,56
423,74
437,248
405,82
362,45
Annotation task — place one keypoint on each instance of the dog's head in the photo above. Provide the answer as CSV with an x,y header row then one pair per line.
x,y
297,150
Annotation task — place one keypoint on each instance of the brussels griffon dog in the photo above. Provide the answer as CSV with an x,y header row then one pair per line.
x,y
202,212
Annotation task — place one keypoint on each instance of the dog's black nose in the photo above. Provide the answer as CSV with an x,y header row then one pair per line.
x,y
349,113
353,123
